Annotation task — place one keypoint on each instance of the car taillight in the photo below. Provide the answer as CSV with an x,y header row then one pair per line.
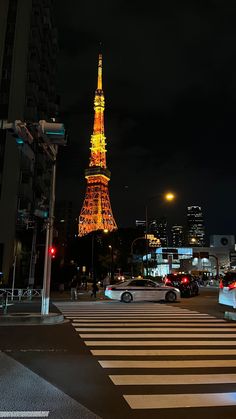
x,y
167,282
184,280
232,286
109,288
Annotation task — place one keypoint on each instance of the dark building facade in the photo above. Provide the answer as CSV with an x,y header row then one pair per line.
x,y
195,226
177,236
28,48
158,227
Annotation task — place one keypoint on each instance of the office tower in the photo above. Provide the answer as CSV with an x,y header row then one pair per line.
x,y
28,47
195,226
177,236
158,227
96,212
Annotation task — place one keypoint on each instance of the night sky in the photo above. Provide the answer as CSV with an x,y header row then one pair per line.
x,y
169,80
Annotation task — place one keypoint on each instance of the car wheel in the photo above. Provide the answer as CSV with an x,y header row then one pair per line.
x,y
170,296
126,297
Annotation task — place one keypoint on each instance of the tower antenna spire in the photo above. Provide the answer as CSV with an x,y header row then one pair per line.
x,y
99,84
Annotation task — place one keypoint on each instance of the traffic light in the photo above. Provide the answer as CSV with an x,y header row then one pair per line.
x,y
19,130
52,252
52,132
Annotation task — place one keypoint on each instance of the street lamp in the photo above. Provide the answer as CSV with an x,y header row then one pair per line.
x,y
168,197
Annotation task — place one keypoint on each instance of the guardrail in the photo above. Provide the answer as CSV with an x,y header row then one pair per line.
x,y
20,293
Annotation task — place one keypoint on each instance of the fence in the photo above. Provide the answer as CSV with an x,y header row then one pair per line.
x,y
20,293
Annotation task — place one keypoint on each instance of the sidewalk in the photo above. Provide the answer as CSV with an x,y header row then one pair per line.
x,y
28,312
82,295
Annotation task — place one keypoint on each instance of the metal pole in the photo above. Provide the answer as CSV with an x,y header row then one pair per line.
x,y
92,257
48,244
32,256
13,278
112,263
132,251
146,236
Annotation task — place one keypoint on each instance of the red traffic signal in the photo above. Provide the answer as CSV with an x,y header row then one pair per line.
x,y
52,252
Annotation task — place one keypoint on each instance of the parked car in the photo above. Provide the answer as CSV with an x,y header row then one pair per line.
x,y
142,290
187,285
227,291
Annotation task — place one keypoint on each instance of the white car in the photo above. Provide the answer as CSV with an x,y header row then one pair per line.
x,y
142,290
227,292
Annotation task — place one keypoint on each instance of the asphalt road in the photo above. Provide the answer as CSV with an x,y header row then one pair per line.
x,y
107,362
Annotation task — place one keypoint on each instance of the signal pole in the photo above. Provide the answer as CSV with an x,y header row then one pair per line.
x,y
50,135
48,243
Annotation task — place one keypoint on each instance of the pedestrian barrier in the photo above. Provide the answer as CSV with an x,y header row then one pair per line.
x,y
20,293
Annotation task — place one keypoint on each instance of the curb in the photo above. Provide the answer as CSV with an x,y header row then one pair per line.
x,y
30,319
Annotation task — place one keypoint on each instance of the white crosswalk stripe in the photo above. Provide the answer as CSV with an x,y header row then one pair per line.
x,y
24,414
179,347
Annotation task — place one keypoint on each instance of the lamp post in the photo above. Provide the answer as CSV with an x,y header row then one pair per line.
x,y
132,252
169,197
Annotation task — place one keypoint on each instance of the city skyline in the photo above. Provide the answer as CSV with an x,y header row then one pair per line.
x,y
169,79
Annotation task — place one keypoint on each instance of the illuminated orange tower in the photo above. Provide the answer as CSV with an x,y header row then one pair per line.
x,y
96,212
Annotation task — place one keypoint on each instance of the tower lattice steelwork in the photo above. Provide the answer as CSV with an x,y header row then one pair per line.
x,y
96,212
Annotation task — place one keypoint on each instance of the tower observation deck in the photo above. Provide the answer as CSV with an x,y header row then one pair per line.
x,y
96,212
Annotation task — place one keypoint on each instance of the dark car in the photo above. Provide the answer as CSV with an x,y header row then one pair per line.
x,y
187,285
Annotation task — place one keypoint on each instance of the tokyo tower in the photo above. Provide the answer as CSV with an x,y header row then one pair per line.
x,y
96,212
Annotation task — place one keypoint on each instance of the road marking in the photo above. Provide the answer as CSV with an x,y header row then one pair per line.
x,y
172,329
161,335
168,401
120,329
160,343
182,321
124,380
198,327
148,312
145,317
24,414
160,320
209,363
161,352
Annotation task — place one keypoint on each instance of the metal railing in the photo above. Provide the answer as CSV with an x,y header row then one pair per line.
x,y
20,293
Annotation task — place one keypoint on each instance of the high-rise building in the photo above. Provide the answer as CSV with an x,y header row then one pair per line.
x,y
195,226
177,236
28,47
96,212
158,227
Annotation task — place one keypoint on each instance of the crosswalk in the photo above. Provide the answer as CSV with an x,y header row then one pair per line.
x,y
160,356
